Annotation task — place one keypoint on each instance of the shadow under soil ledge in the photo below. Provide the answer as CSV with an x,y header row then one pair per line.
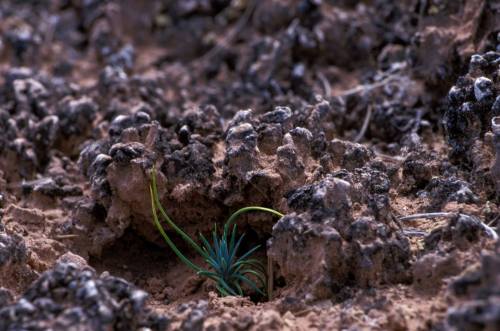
x,y
157,270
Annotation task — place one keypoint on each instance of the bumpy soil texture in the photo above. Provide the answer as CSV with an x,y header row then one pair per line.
x,y
345,115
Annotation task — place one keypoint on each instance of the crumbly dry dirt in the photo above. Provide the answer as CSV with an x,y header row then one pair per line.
x,y
346,116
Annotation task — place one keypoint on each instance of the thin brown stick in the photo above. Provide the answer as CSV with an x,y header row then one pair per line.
x,y
270,278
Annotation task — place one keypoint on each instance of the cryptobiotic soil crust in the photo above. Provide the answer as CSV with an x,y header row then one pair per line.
x,y
346,116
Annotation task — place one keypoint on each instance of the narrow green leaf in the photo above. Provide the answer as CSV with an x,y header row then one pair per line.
x,y
233,238
207,246
247,254
250,283
168,219
236,214
259,276
227,287
236,247
238,288
212,275
167,239
250,263
223,292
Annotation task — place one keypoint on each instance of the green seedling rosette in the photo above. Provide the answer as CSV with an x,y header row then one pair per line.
x,y
227,269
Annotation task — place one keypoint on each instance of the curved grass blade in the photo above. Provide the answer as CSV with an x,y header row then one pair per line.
x,y
233,239
169,220
239,289
169,241
212,275
253,263
250,283
222,291
235,250
247,254
237,213
259,276
207,246
227,287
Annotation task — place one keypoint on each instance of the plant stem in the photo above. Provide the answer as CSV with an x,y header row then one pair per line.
x,y
169,221
237,213
167,239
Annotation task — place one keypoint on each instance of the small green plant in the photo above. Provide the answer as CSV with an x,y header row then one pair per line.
x,y
227,269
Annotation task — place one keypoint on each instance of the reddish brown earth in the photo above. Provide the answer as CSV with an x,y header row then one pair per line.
x,y
346,116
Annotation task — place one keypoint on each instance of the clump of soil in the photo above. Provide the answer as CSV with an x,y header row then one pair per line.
x,y
345,116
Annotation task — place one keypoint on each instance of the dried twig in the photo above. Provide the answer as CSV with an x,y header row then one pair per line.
x,y
394,76
489,230
327,89
366,87
228,39
366,122
495,220
390,158
414,233
418,121
426,215
66,236
270,277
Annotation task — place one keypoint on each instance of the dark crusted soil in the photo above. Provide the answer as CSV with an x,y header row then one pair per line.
x,y
346,116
